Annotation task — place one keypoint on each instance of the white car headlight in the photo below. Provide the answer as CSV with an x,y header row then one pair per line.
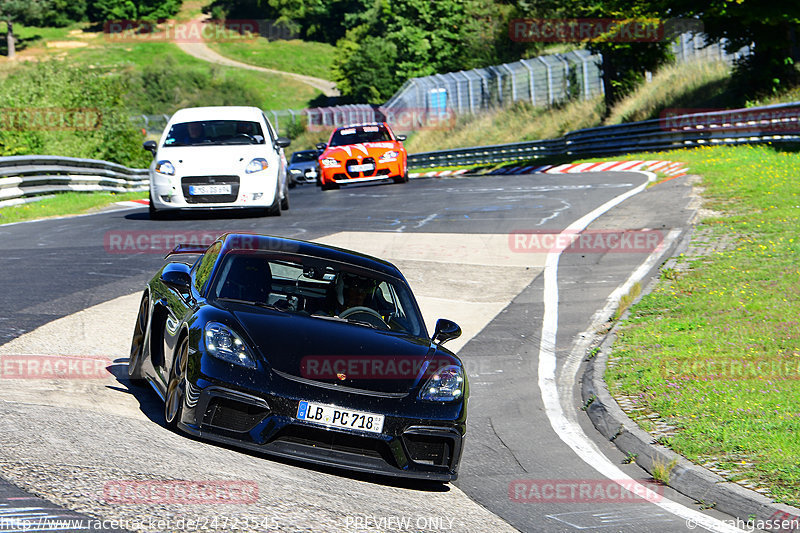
x,y
446,385
330,162
165,167
223,343
256,165
389,156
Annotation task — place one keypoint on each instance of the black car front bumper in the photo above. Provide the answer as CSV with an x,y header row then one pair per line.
x,y
410,446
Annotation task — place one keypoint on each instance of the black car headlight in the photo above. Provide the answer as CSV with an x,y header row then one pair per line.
x,y
446,385
223,343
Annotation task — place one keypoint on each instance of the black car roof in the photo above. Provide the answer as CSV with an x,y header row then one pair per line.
x,y
231,242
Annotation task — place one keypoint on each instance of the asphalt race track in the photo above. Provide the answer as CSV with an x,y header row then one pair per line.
x,y
72,289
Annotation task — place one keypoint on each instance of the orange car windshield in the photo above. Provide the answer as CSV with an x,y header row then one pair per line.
x,y
360,134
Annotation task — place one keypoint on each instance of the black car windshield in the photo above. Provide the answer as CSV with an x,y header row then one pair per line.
x,y
360,134
313,287
305,155
214,132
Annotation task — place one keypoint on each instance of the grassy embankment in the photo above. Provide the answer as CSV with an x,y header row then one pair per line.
x,y
184,80
714,350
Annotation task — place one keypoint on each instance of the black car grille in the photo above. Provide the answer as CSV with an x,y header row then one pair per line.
x,y
336,441
366,161
429,449
233,181
232,415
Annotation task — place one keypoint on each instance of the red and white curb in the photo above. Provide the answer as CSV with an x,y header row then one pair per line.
x,y
438,174
673,169
134,203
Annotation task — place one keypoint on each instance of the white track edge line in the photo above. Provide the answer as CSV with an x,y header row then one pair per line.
x,y
569,432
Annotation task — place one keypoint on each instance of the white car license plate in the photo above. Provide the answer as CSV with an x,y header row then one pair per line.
x,y
311,173
340,418
209,189
361,168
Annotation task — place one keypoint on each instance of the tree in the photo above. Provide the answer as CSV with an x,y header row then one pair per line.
x,y
108,10
13,11
770,27
625,59
401,39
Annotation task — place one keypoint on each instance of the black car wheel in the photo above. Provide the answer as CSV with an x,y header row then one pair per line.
x,y
154,215
285,201
275,209
137,344
401,179
176,390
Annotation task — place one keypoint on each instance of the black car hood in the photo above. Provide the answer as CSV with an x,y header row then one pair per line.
x,y
332,352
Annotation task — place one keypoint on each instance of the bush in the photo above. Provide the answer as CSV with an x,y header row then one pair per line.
x,y
167,86
58,108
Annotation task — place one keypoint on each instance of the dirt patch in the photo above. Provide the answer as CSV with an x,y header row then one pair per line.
x,y
66,44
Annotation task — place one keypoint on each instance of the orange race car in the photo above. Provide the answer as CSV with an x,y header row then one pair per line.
x,y
362,153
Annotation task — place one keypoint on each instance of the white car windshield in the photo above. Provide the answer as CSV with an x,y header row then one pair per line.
x,y
214,132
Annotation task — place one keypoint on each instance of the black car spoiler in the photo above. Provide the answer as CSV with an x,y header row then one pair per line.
x,y
187,249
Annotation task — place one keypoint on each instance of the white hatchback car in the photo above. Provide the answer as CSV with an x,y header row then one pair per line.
x,y
218,157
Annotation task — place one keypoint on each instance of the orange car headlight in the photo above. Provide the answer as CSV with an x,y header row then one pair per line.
x,y
389,156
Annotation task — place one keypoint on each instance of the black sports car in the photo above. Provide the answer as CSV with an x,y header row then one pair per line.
x,y
304,351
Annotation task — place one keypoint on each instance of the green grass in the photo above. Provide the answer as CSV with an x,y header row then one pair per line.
x,y
272,91
69,203
301,57
714,350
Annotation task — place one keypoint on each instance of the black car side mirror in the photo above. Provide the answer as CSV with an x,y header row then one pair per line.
x,y
446,330
150,146
283,142
321,146
176,275
401,138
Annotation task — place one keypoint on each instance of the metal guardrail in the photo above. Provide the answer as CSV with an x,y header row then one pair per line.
x,y
767,124
27,178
